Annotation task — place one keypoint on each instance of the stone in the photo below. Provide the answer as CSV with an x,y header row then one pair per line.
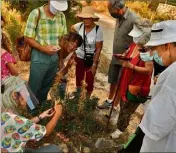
x,y
64,147
103,143
86,150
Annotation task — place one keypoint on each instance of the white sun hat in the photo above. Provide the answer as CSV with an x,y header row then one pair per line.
x,y
163,33
60,5
140,27
136,32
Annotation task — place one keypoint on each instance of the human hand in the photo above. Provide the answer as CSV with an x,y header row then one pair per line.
x,y
156,78
127,64
93,70
50,49
48,113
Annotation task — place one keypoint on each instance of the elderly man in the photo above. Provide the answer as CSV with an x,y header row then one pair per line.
x,y
44,27
124,24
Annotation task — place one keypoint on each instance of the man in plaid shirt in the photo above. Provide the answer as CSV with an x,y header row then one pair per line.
x,y
44,39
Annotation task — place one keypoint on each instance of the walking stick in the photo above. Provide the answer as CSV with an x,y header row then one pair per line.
x,y
110,113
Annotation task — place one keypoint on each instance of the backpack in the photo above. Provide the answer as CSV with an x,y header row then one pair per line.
x,y
88,58
22,47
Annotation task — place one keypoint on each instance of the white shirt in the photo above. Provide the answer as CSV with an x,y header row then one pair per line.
x,y
92,38
159,121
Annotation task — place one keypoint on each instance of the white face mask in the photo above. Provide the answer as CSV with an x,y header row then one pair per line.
x,y
136,40
53,10
146,57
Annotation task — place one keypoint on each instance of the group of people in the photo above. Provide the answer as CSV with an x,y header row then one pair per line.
x,y
140,50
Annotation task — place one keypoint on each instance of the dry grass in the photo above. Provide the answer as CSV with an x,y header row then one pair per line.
x,y
142,8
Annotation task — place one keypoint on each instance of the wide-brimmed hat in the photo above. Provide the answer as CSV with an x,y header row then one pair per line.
x,y
60,5
87,12
163,33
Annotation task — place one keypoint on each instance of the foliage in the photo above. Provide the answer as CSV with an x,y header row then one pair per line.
x,y
142,9
14,24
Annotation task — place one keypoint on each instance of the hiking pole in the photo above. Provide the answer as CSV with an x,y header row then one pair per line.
x,y
118,83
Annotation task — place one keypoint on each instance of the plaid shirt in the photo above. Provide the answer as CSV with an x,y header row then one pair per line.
x,y
48,30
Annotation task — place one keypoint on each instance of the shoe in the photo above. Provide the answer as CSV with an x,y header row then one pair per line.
x,y
105,105
116,134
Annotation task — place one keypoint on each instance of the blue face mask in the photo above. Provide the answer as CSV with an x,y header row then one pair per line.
x,y
157,59
146,57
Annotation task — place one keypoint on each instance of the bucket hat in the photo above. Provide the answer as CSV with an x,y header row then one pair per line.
x,y
87,12
163,33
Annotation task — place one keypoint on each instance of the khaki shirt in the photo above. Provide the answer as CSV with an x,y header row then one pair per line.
x,y
121,38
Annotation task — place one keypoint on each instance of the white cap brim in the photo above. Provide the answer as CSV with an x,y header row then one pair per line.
x,y
60,5
135,32
158,42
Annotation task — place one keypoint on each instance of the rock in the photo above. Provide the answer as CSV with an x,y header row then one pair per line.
x,y
103,143
64,147
86,150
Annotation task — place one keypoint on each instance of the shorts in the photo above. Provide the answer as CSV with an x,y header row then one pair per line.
x,y
114,72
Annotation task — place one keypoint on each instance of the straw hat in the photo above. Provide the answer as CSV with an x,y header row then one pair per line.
x,y
87,12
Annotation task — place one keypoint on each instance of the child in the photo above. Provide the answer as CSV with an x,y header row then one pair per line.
x,y
68,43
10,80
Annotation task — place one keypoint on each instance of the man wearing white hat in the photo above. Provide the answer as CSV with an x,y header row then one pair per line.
x,y
44,27
159,121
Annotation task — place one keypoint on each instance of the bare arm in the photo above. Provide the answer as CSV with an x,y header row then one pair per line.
x,y
33,43
45,114
13,69
73,29
99,46
50,49
69,64
61,61
52,123
147,69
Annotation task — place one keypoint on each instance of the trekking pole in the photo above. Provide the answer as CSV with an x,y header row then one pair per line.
x,y
110,113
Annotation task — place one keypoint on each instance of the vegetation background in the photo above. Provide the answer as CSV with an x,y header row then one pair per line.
x,y
80,121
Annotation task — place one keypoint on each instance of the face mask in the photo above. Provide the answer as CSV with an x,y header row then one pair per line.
x,y
146,57
136,40
158,59
117,16
53,10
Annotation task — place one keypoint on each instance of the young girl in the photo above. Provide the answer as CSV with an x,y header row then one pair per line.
x,y
11,82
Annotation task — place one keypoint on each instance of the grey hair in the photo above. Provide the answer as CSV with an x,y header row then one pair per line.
x,y
145,26
117,3
145,37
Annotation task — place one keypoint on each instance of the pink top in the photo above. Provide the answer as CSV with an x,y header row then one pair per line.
x,y
6,57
